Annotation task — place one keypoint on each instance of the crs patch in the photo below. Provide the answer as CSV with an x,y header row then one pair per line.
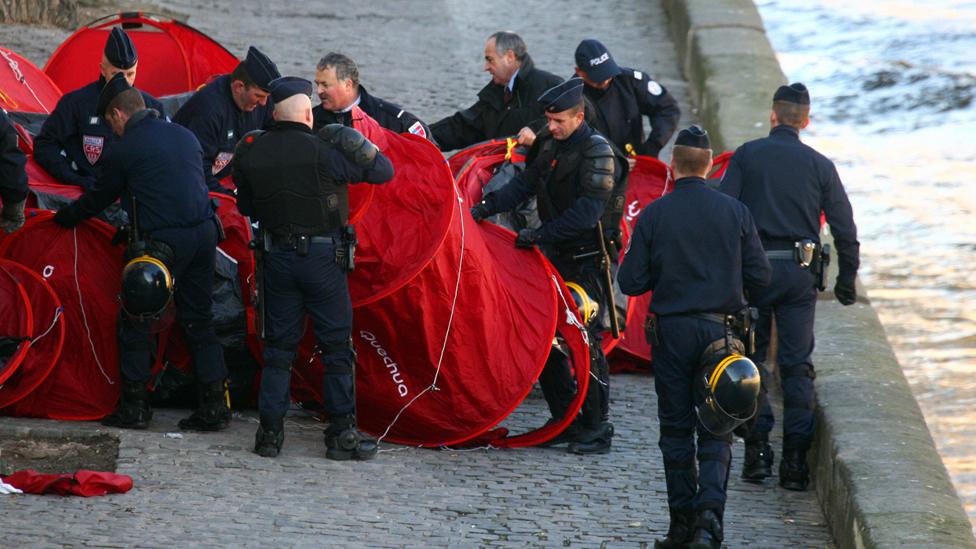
x,y
654,88
221,162
92,145
418,129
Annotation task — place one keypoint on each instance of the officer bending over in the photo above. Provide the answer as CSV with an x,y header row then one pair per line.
x,y
695,249
155,169
786,185
572,171
294,183
13,178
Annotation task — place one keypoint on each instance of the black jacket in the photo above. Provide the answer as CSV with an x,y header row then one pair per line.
x,y
13,179
489,117
389,115
619,111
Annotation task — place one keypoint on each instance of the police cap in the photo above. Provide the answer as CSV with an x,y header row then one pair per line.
x,y
563,96
287,86
794,93
260,68
119,49
595,60
693,136
116,85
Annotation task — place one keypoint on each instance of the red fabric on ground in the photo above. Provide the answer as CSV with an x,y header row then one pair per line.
x,y
83,483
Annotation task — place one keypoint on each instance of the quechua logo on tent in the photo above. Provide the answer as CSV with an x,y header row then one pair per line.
x,y
391,365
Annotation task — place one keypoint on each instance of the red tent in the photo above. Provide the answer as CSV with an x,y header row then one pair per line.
x,y
24,87
16,323
173,56
84,270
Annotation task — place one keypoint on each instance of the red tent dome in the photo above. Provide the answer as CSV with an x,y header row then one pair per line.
x,y
24,87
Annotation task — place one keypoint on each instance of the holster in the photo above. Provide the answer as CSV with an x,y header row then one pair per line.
x,y
346,249
820,266
650,329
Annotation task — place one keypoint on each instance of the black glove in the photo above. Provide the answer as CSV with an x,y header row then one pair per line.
x,y
845,292
525,239
12,215
480,211
65,218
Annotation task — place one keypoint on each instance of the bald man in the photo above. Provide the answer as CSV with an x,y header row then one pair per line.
x,y
293,183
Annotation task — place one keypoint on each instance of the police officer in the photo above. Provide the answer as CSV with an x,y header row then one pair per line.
x,y
338,87
507,104
571,170
155,171
786,184
13,178
221,112
294,183
694,249
74,139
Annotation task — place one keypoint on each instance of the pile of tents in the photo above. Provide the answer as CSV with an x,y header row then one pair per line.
x,y
452,324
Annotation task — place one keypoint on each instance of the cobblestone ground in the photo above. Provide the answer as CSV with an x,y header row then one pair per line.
x,y
210,490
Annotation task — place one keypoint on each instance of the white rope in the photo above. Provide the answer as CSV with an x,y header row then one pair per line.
x,y
570,317
450,323
15,67
84,317
57,314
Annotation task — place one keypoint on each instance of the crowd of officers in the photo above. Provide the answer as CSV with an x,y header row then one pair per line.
x,y
708,250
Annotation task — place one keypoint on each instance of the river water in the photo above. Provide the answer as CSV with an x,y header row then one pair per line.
x,y
893,88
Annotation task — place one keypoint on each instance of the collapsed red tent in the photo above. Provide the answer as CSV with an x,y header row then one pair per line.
x,y
452,323
173,56
16,323
83,268
24,87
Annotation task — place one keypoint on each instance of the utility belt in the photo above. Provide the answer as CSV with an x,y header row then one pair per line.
x,y
808,254
345,245
740,325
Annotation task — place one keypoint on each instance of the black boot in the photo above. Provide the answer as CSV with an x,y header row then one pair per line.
x,y
708,531
569,434
213,411
270,437
758,462
679,532
344,441
133,411
793,471
594,440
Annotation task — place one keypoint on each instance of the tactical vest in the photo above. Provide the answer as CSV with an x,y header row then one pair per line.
x,y
293,192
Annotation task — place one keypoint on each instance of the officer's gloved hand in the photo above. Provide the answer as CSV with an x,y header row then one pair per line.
x,y
480,212
12,216
525,239
9,489
845,291
86,182
65,218
351,143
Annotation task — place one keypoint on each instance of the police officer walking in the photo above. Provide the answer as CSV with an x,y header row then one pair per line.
x,y
221,112
338,87
621,97
571,170
74,138
696,250
786,185
507,104
155,170
294,183
13,178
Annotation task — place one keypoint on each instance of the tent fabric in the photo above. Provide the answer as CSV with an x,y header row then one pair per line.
x,y
173,56
16,323
48,338
82,483
24,87
452,324
84,269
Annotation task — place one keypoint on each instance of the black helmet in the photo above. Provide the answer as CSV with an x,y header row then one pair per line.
x,y
588,308
731,391
147,288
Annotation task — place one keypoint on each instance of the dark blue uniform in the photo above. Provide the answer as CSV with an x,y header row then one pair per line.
x,y
214,118
84,137
619,111
277,173
158,164
695,249
13,179
492,116
786,184
389,115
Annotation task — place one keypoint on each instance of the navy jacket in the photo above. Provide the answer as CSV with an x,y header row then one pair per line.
x,y
490,117
158,163
13,179
85,138
619,111
695,249
389,115
786,184
214,118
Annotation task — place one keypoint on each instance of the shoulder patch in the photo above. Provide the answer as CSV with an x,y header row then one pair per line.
x,y
638,75
418,129
654,88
